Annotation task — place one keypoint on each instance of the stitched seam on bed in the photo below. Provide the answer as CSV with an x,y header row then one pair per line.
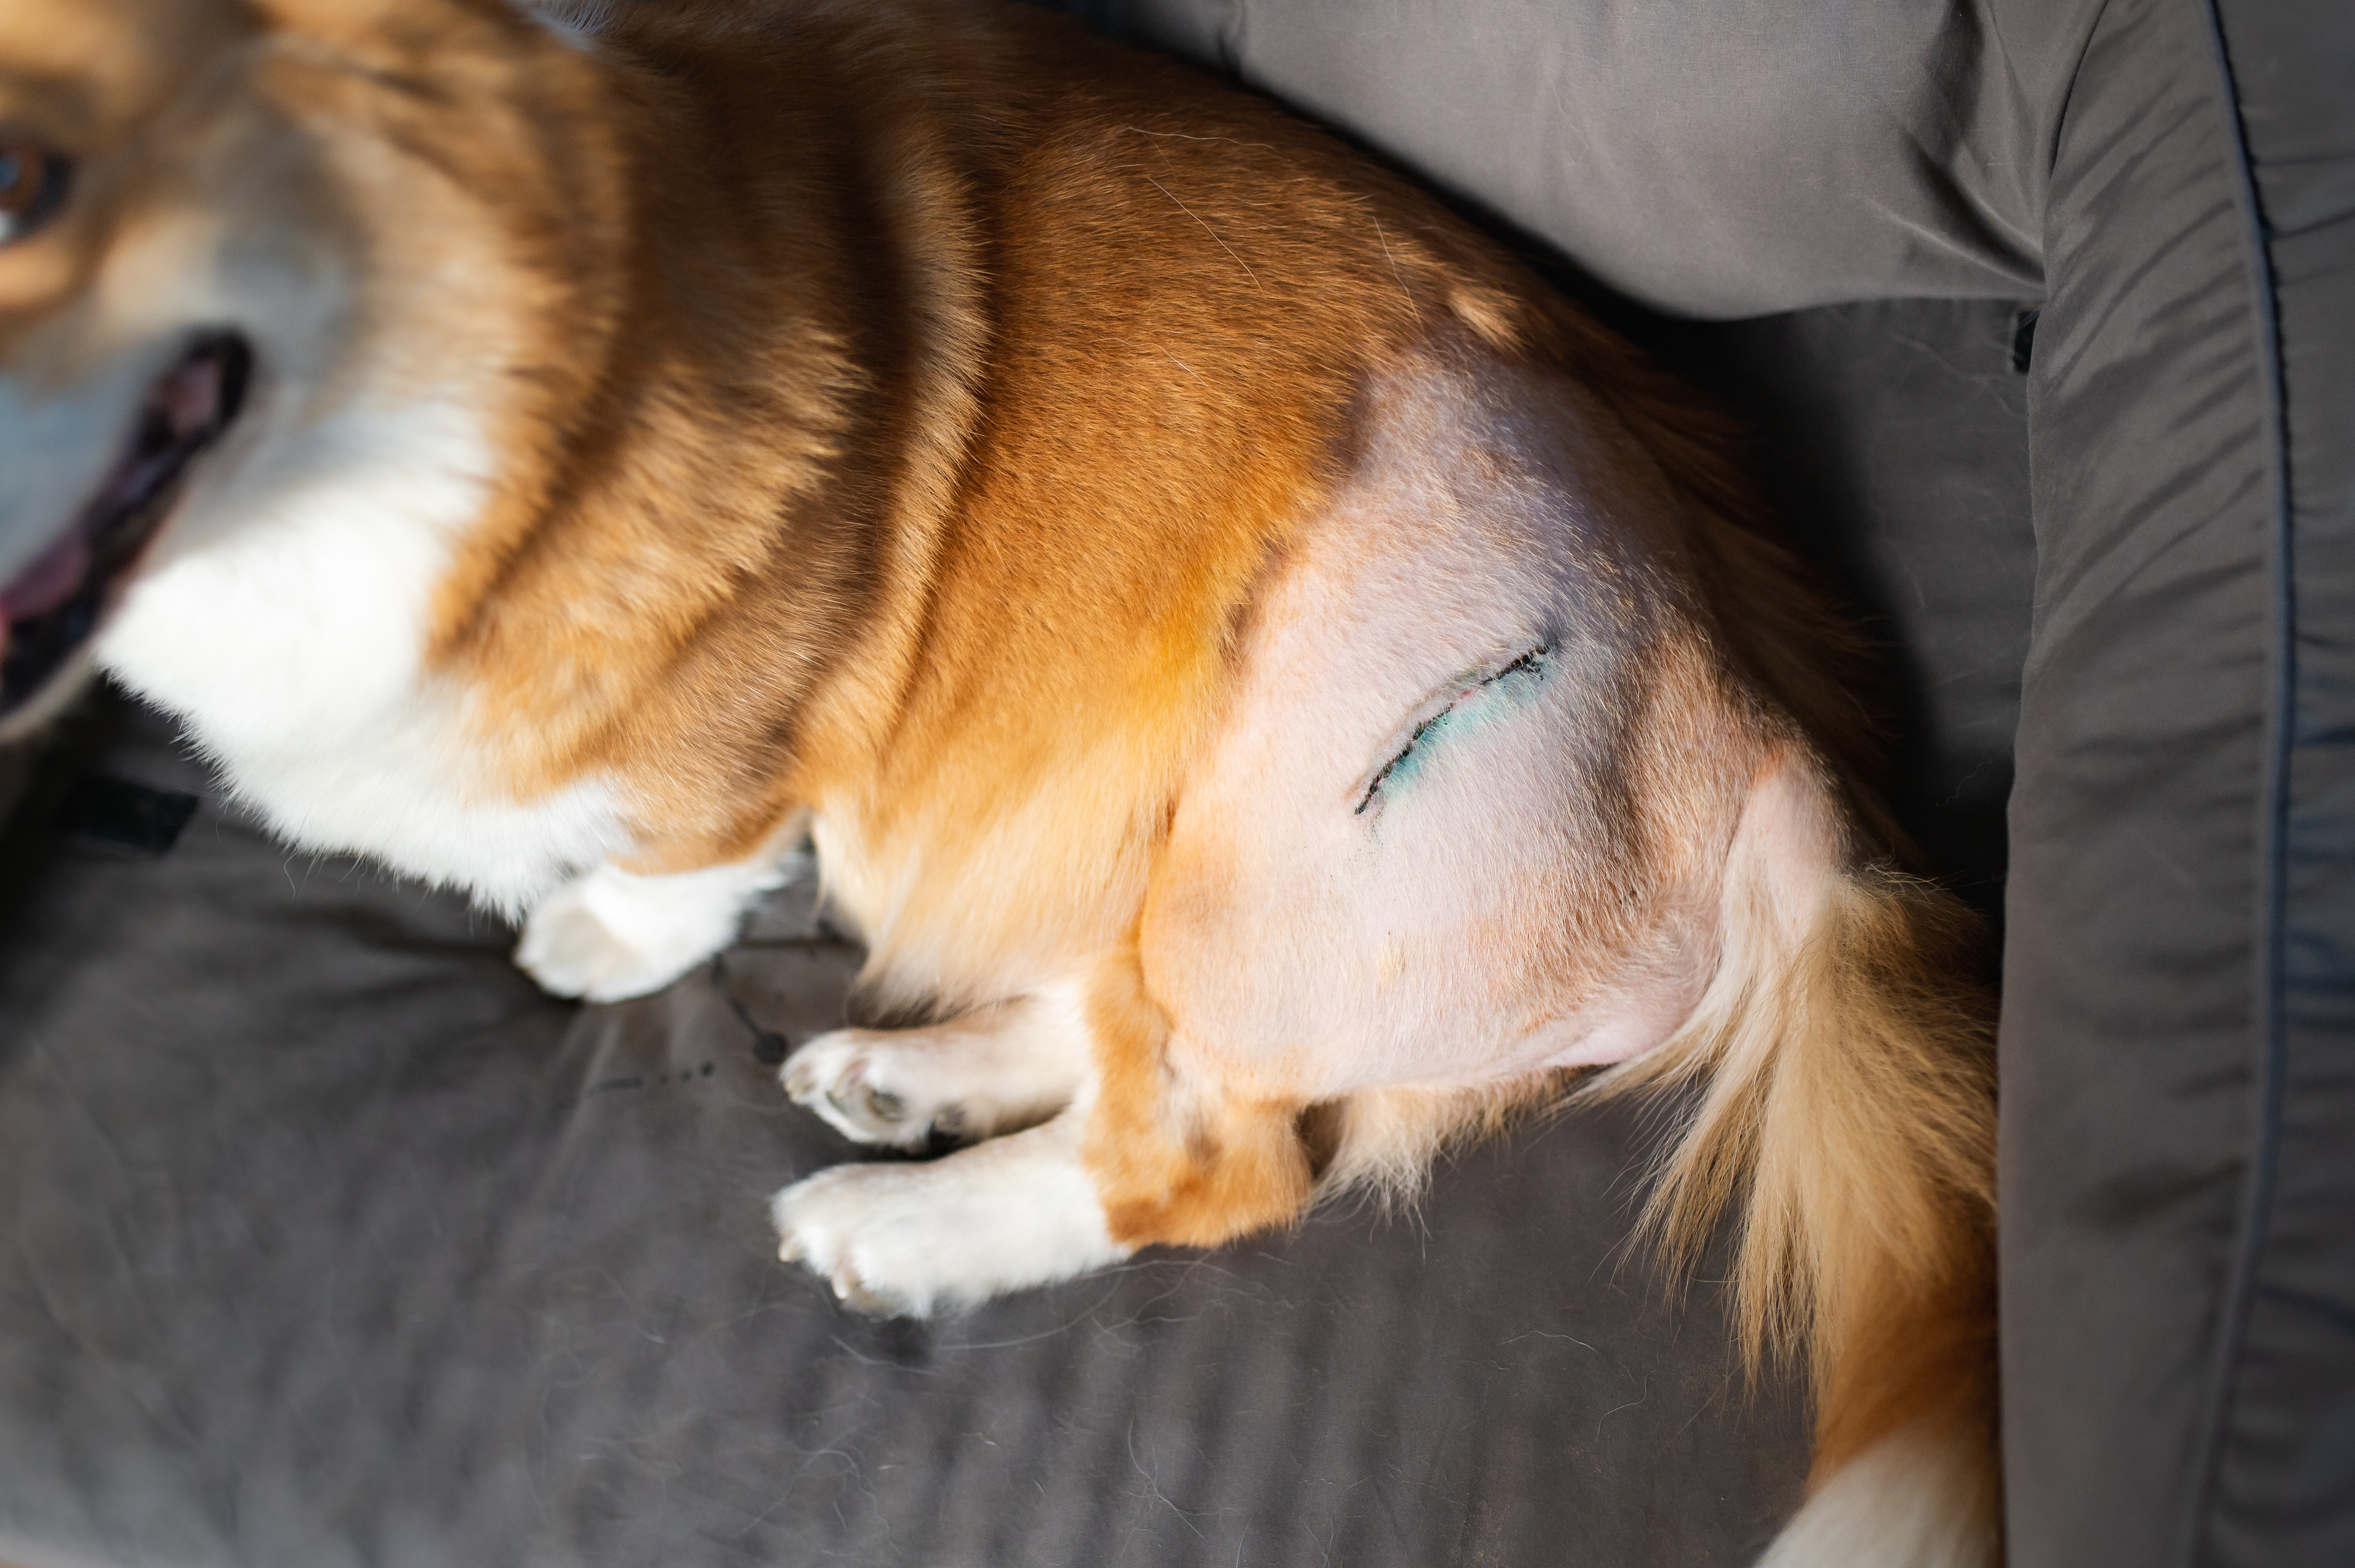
x,y
2272,805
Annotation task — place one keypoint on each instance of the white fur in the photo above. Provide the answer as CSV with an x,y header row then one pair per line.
x,y
1014,1212
288,629
984,1072
610,933
283,609
1896,1505
577,24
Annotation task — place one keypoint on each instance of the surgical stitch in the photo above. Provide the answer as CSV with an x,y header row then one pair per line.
x,y
1531,663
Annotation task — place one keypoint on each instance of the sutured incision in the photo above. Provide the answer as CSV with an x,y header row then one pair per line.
x,y
1528,661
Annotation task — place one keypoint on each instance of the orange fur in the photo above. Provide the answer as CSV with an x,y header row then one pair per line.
x,y
1174,1164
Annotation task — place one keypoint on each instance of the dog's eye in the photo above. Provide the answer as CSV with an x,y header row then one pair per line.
x,y
32,185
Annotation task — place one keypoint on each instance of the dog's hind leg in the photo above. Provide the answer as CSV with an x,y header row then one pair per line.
x,y
1147,1152
896,1237
994,1070
1180,1153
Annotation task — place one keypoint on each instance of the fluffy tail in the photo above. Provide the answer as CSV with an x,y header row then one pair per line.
x,y
1840,1077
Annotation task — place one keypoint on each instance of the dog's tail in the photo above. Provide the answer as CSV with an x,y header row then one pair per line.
x,y
1837,1082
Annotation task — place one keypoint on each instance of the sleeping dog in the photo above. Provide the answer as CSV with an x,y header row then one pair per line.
x,y
1274,688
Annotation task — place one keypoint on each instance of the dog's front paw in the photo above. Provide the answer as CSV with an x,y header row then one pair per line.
x,y
610,934
570,950
912,1239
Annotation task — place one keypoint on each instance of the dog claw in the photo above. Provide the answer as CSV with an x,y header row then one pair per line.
x,y
853,1293
843,1225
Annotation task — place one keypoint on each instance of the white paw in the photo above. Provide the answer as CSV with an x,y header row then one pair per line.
x,y
865,1228
912,1239
610,934
991,1071
870,1091
572,951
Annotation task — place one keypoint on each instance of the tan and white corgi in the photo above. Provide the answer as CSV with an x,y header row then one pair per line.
x,y
1274,688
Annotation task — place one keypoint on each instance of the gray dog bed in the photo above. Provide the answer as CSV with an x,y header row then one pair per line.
x,y
331,1242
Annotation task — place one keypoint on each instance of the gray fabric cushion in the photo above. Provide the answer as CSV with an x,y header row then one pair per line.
x,y
1728,159
2178,1161
2283,1484
2130,1019
333,1242
1892,439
